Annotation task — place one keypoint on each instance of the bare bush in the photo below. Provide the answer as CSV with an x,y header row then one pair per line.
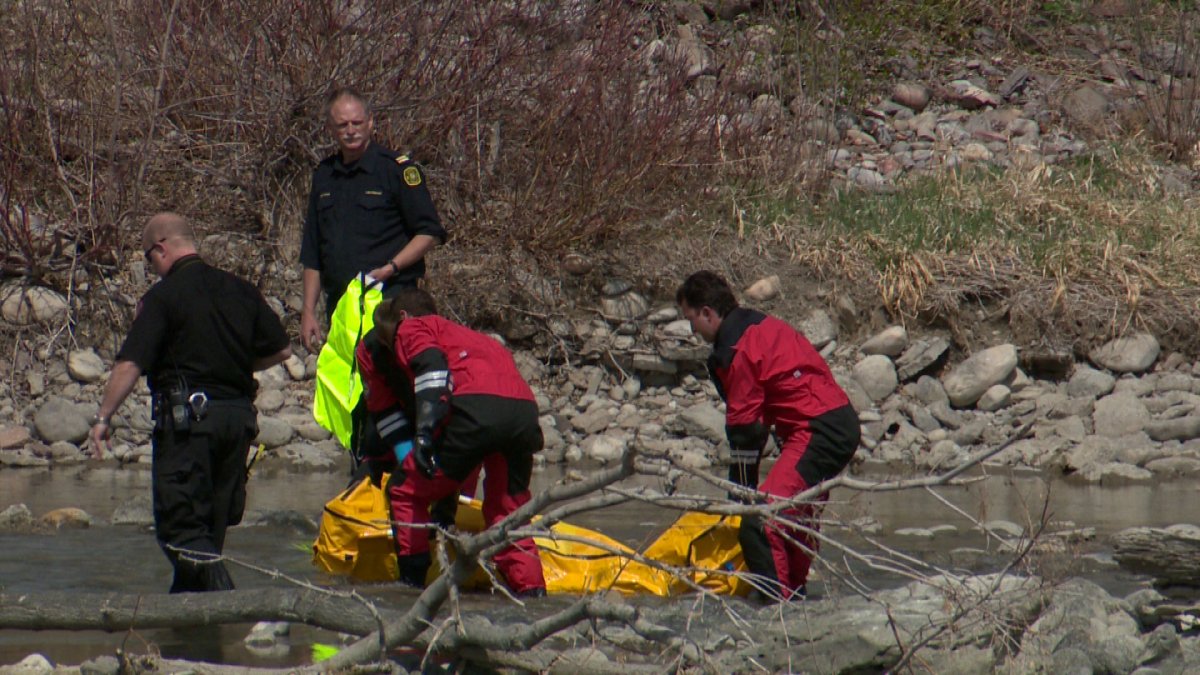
x,y
1168,101
542,126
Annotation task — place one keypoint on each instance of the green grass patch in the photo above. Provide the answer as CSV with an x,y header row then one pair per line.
x,y
1074,216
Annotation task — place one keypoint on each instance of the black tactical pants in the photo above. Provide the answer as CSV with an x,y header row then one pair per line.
x,y
199,485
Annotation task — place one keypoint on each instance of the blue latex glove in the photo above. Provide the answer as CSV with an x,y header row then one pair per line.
x,y
402,449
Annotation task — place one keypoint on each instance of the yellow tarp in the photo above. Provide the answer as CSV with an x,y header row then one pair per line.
x,y
355,540
339,383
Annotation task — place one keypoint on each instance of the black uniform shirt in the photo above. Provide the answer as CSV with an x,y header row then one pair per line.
x,y
361,215
205,325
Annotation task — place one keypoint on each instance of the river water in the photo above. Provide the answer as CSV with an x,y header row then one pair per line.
x,y
126,559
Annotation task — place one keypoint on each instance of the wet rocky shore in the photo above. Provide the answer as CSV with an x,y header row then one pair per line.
x,y
1126,415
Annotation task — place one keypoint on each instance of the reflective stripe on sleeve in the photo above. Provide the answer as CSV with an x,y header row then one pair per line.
x,y
436,379
391,424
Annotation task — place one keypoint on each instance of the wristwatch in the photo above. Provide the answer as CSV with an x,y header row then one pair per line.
x,y
98,419
394,266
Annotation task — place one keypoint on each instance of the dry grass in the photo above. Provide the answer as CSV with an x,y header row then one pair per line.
x,y
548,130
1066,254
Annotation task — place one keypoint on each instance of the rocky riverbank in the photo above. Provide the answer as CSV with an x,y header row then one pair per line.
x,y
1126,414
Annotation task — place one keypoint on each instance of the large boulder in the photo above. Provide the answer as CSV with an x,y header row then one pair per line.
x,y
62,420
970,379
22,305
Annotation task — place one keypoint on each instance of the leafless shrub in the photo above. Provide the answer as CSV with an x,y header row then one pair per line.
x,y
542,126
1169,102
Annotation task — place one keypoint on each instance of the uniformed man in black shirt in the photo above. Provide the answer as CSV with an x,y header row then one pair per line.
x,y
369,211
199,335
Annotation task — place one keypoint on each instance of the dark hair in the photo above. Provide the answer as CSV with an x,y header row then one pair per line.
x,y
414,301
340,93
707,289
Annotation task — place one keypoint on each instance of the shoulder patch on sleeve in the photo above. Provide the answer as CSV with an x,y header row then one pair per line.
x,y
412,176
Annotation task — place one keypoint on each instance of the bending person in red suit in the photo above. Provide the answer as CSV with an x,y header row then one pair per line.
x,y
770,375
455,397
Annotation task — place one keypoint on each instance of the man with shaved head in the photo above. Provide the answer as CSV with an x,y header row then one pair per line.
x,y
198,336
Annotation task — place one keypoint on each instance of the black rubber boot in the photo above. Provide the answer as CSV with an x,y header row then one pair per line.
x,y
413,569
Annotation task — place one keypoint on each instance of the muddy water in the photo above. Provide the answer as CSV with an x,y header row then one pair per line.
x,y
126,559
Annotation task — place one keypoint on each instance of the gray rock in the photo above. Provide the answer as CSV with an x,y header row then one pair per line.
x,y
971,378
274,377
595,420
866,178
36,382
1081,617
877,375
23,458
1086,107
295,368
1133,354
683,350
702,420
24,305
273,432
14,437
854,391
966,94
891,341
135,511
819,328
1071,429
615,287
1087,381
663,315
59,419
1090,452
912,95
1120,414
996,397
101,665
269,400
1174,466
85,365
1174,381
954,419
1114,473
1178,429
927,390
764,289
310,456
922,419
603,447
920,356
267,633
691,51
625,307
679,328
652,363
942,455
34,664
16,517
313,432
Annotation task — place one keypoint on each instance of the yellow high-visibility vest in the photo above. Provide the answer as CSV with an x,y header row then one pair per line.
x,y
339,384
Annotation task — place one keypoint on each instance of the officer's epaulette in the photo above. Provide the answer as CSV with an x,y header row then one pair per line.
x,y
402,159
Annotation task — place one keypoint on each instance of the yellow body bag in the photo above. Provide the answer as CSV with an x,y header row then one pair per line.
x,y
339,384
355,540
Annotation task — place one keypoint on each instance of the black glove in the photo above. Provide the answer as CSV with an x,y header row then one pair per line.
x,y
745,475
423,455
